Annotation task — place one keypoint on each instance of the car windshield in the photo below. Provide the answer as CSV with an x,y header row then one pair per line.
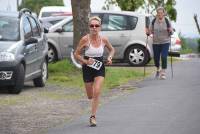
x,y
9,29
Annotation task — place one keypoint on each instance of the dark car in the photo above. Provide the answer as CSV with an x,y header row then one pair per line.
x,y
23,50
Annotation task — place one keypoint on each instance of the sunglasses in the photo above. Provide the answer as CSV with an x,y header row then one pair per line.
x,y
93,26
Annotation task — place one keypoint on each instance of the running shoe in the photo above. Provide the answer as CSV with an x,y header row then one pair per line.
x,y
93,122
163,76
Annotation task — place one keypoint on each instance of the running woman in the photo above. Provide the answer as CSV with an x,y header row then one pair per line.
x,y
93,68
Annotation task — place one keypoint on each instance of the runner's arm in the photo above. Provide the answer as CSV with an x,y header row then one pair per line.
x,y
110,49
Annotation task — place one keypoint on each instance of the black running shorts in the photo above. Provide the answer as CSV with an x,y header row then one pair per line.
x,y
90,73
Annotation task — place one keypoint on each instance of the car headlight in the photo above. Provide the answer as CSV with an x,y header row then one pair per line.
x,y
6,56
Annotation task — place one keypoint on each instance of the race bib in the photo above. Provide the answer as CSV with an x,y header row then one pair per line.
x,y
96,64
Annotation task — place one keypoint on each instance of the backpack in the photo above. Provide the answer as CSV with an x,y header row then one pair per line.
x,y
167,22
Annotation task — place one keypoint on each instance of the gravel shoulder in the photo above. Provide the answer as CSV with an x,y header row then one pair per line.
x,y
35,110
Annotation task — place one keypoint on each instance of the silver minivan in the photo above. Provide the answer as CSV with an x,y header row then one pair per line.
x,y
125,30
23,51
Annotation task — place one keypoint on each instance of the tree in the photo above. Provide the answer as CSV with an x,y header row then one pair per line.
x,y
150,5
130,5
127,5
36,5
168,5
108,3
81,12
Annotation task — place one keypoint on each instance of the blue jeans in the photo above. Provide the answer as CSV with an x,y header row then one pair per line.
x,y
160,50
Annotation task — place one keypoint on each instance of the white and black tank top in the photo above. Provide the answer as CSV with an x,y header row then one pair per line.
x,y
92,51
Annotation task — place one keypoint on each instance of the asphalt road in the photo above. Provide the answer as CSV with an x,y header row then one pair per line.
x,y
169,106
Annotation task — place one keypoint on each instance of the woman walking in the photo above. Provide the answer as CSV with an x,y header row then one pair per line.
x,y
161,30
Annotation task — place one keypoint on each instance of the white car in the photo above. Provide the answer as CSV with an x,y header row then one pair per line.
x,y
48,11
175,47
47,22
125,30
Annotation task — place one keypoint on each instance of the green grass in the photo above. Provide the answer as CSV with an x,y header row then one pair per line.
x,y
186,51
174,59
116,76
64,73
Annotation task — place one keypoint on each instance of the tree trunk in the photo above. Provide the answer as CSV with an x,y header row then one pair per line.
x,y
80,11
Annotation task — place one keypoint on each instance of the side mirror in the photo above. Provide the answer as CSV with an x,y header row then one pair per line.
x,y
59,30
31,40
46,30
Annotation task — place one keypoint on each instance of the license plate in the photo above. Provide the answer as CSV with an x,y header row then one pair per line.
x,y
96,65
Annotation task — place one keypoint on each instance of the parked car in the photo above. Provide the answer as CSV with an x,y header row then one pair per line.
x,y
125,30
175,48
23,51
48,11
47,22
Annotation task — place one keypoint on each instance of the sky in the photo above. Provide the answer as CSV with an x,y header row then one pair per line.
x,y
185,22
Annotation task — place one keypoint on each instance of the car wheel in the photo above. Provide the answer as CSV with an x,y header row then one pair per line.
x,y
19,83
41,80
137,55
52,55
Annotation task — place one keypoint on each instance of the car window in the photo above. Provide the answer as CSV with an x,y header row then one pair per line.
x,y
9,29
47,14
27,28
100,15
55,13
55,21
35,28
68,27
116,23
132,22
148,20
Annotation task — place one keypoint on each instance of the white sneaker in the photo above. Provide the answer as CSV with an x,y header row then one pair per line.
x,y
163,76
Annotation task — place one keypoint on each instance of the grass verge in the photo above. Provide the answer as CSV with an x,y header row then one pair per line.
x,y
64,73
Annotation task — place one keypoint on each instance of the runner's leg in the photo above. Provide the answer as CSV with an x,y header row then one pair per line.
x,y
89,89
97,85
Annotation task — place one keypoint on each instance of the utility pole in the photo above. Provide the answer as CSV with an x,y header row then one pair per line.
x,y
196,21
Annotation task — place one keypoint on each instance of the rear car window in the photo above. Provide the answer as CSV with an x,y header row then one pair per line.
x,y
47,14
115,22
68,27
